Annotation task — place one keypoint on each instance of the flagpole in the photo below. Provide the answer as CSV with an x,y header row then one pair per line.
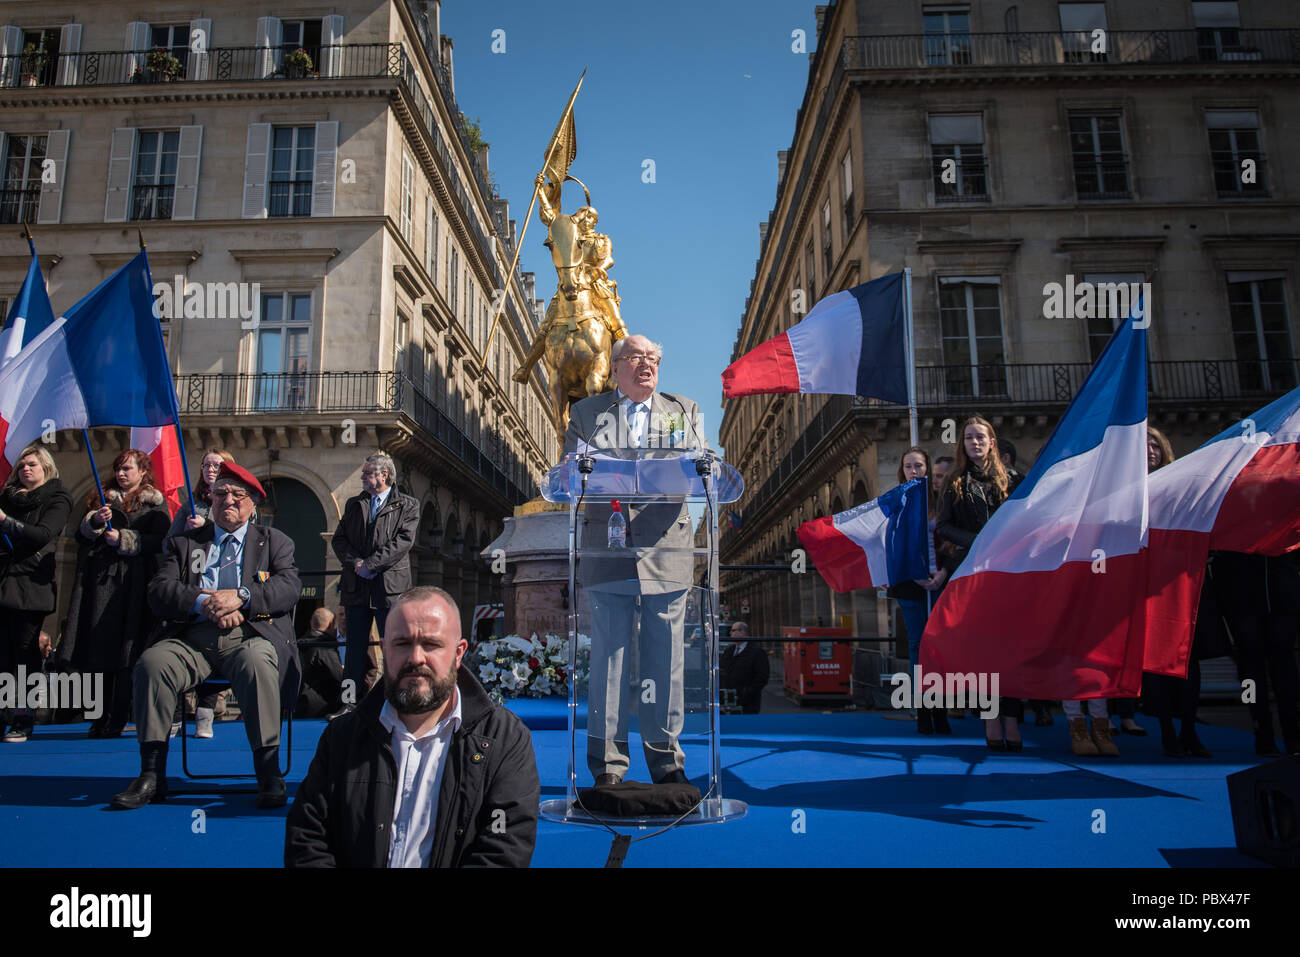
x,y
94,469
171,392
911,358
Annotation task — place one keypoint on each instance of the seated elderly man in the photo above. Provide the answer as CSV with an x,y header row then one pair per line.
x,y
225,593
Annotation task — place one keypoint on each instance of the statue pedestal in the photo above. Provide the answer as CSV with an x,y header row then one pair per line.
x,y
536,545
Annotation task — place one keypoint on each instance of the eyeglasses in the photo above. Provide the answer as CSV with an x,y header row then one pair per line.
x,y
636,358
235,494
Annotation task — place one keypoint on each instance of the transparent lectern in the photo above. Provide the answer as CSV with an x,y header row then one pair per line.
x,y
643,626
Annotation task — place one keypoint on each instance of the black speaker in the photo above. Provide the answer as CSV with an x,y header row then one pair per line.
x,y
1265,805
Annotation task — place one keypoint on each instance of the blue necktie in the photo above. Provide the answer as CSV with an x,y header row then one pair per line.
x,y
227,569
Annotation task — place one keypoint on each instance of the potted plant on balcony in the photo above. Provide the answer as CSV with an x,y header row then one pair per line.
x,y
162,66
33,61
297,64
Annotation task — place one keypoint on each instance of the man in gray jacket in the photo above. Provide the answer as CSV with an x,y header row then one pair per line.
x,y
651,586
373,544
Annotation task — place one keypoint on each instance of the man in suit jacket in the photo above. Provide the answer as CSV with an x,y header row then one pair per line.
x,y
373,543
225,593
652,586
743,668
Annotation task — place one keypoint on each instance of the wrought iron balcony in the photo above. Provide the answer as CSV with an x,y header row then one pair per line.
x,y
20,205
1113,47
343,393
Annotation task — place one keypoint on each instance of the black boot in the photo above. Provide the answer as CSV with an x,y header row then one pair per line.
x,y
940,716
271,791
1192,743
924,720
1169,739
151,785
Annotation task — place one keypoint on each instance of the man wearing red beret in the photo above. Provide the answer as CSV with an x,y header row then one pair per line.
x,y
225,593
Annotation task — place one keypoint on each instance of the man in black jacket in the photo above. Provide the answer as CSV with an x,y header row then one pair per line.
x,y
470,789
225,593
743,669
373,543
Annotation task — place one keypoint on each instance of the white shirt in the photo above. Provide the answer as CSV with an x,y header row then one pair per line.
x,y
420,763
377,502
637,415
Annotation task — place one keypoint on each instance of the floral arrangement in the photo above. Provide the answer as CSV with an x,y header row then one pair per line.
x,y
513,666
161,63
298,62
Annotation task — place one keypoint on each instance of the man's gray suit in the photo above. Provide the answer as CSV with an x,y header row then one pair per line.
x,y
653,586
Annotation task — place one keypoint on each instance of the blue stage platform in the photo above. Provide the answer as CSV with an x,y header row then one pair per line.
x,y
854,789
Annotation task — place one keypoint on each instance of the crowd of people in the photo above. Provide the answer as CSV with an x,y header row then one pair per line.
x,y
1250,608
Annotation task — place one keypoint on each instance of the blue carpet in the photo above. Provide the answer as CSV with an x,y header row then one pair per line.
x,y
856,789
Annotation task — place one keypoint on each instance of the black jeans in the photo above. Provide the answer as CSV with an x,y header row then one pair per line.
x,y
1266,655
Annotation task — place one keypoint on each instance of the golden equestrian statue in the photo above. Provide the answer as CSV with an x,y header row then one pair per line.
x,y
582,321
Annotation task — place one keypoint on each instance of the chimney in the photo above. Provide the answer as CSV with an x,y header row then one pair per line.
x,y
781,156
447,65
820,13
762,233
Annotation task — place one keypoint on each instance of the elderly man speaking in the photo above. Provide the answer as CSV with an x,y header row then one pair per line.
x,y
226,592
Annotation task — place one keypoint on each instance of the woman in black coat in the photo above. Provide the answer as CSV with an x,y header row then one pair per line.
x,y
973,490
108,618
34,508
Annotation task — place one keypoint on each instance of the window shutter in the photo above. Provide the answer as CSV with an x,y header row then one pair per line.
x,y
13,48
270,34
69,62
256,161
187,173
56,148
120,156
331,39
136,46
197,67
322,189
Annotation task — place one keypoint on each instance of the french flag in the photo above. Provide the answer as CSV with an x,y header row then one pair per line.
x,y
851,343
1238,492
101,364
881,542
1047,595
30,314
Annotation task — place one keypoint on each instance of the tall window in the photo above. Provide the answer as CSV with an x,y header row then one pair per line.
x,y
1108,312
453,279
970,317
1079,23
20,198
430,240
301,34
154,186
1235,152
174,38
43,62
293,155
1100,163
846,171
812,270
947,36
1260,331
1218,33
408,196
957,148
828,260
283,336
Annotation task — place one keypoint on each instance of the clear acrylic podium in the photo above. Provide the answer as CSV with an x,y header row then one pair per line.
x,y
643,627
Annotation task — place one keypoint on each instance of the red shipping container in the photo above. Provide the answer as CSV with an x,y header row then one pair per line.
x,y
818,669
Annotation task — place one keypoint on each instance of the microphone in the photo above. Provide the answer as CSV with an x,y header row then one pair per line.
x,y
703,464
586,464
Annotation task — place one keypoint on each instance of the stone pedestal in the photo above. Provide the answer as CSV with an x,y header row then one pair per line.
x,y
536,545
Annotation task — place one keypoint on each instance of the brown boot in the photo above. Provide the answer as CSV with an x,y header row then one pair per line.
x,y
1080,743
1102,732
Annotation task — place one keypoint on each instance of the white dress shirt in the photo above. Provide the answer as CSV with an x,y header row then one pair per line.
x,y
637,415
420,764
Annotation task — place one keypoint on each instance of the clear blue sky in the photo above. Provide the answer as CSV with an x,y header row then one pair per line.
x,y
707,90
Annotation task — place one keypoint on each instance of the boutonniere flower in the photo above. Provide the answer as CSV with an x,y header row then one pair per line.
x,y
674,422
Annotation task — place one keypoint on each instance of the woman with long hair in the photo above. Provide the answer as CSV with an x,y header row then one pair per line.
x,y
914,597
34,507
108,617
1165,696
972,491
208,469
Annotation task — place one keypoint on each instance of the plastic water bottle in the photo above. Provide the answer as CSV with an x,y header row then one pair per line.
x,y
617,526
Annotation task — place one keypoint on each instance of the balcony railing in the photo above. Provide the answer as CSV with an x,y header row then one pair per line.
x,y
338,393
996,386
107,67
958,50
